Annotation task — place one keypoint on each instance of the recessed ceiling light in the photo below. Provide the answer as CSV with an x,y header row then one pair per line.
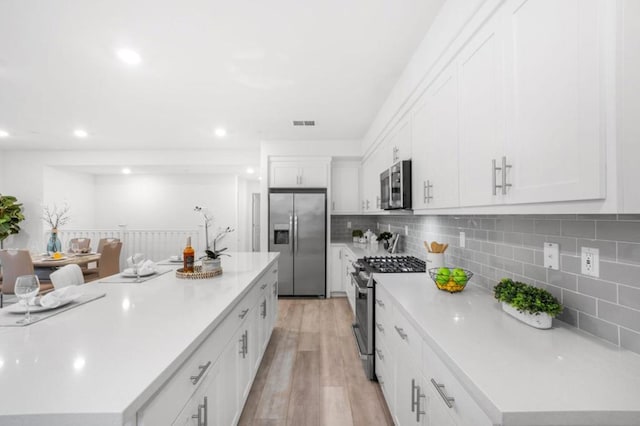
x,y
126,171
220,132
128,56
79,133
250,170
4,134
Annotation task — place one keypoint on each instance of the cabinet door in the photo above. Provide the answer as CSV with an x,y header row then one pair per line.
x,y
313,175
345,189
398,146
481,116
371,170
435,408
336,269
284,174
408,401
435,163
554,93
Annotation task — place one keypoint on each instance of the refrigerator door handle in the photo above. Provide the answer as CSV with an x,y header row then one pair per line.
x,y
295,231
290,234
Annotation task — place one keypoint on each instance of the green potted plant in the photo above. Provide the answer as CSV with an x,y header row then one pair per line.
x,y
385,236
532,305
10,216
357,234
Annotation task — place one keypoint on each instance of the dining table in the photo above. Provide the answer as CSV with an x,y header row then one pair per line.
x,y
81,259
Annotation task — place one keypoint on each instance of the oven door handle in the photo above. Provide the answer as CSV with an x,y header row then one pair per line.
x,y
362,291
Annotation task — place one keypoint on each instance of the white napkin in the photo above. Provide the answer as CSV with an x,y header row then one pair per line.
x,y
147,267
176,258
135,259
66,276
60,296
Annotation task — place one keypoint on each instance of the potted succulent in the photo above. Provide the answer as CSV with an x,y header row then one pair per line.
x,y
532,305
357,234
385,236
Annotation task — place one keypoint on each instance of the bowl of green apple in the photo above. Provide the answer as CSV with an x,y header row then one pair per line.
x,y
452,280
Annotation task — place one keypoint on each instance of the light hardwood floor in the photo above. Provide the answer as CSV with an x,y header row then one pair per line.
x,y
311,373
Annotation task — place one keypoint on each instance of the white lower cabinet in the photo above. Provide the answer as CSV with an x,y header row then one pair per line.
x,y
211,387
417,385
337,272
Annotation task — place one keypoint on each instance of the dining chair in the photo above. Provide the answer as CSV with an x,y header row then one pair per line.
x,y
84,244
109,263
103,241
14,264
66,276
93,268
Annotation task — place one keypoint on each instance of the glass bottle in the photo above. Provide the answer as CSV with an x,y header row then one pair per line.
x,y
188,257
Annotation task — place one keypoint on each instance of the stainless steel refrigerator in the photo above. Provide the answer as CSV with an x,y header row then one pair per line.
x,y
297,230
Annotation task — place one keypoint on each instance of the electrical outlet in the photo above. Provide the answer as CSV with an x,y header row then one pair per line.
x,y
590,264
463,240
348,225
552,256
389,227
377,225
406,230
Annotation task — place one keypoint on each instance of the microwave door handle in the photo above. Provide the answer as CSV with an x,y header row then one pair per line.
x,y
290,234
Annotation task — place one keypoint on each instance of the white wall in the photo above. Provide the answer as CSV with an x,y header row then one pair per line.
x,y
77,190
167,202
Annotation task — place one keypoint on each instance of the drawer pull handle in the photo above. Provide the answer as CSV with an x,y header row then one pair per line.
x,y
263,286
275,271
379,352
401,332
380,303
380,327
243,313
447,399
202,408
203,368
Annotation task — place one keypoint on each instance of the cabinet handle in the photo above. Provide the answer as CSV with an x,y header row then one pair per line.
x,y
380,303
419,412
379,352
246,343
401,332
440,388
264,308
494,170
275,289
424,191
241,341
243,313
367,204
505,166
378,202
263,286
203,369
380,327
275,271
429,187
414,403
333,205
202,408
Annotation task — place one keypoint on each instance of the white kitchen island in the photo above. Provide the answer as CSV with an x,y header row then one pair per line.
x,y
432,345
146,354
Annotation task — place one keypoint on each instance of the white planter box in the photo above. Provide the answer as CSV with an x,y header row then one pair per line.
x,y
541,320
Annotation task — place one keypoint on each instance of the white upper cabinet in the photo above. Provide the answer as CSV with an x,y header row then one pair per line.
x,y
554,107
371,169
481,116
345,188
435,144
398,145
292,173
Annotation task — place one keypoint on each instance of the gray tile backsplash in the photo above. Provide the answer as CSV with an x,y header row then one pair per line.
x,y
500,246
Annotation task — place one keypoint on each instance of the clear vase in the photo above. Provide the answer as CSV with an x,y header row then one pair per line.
x,y
54,244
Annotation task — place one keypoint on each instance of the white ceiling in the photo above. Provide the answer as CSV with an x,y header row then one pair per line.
x,y
251,66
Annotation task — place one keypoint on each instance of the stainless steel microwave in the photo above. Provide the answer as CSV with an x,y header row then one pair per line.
x,y
395,186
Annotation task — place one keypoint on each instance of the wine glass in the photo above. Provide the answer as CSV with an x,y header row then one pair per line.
x,y
75,248
27,287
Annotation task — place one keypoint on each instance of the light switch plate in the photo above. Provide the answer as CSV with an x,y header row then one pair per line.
x,y
463,240
406,230
590,262
389,227
552,256
348,225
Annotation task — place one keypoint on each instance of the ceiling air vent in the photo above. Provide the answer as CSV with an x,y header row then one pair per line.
x,y
304,123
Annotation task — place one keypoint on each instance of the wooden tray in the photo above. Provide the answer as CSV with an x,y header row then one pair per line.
x,y
198,274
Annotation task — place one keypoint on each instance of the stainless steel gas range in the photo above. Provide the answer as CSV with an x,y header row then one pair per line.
x,y
364,283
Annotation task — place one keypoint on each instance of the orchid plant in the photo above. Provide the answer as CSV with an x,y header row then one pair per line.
x,y
208,218
215,253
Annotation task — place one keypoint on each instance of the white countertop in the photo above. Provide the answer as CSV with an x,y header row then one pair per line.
x,y
361,250
110,355
518,374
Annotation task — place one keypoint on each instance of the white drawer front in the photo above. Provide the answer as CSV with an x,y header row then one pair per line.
x,y
464,409
405,338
